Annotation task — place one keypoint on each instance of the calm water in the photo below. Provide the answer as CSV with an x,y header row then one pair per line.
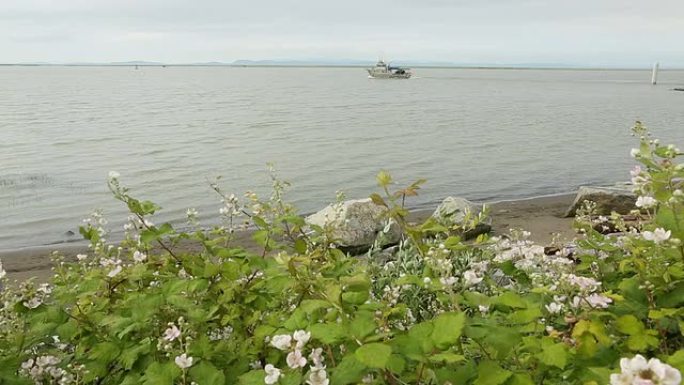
x,y
482,134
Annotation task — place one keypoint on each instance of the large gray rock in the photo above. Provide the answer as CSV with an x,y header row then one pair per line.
x,y
452,211
356,224
618,198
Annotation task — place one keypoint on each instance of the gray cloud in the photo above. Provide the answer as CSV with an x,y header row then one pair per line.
x,y
590,32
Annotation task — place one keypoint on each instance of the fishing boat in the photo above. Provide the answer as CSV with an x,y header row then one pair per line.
x,y
385,71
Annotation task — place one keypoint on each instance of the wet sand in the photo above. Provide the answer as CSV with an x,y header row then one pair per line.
x,y
542,216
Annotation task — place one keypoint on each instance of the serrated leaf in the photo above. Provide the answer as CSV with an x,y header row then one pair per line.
x,y
206,374
328,333
554,355
490,373
349,371
447,329
374,355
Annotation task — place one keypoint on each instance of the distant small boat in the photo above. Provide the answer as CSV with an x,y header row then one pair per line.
x,y
385,71
678,89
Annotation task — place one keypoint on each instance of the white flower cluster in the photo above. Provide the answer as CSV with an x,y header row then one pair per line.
x,y
38,298
294,344
231,206
3,273
638,371
640,180
658,235
44,368
220,333
586,296
113,264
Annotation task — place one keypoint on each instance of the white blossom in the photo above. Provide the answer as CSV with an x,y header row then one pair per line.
x,y
139,257
3,273
33,303
295,359
646,202
554,307
598,300
172,333
470,278
302,337
658,235
114,175
638,371
282,341
116,270
317,358
81,257
634,152
183,361
272,374
318,377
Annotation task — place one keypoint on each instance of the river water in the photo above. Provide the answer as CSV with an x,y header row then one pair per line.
x,y
479,133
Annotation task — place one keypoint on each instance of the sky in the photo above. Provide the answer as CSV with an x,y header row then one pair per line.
x,y
611,33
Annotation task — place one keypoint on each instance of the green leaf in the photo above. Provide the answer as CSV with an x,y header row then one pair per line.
x,y
161,374
131,354
554,355
328,333
520,379
349,371
677,360
510,299
374,355
105,351
362,325
253,377
629,324
447,329
359,282
446,358
205,373
490,373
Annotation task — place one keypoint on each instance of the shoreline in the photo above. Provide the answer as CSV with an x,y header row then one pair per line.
x,y
541,215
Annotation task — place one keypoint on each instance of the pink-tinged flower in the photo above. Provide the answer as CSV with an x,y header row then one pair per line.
x,y
183,361
282,342
598,301
317,358
172,333
658,235
302,337
318,377
646,202
638,371
295,359
272,374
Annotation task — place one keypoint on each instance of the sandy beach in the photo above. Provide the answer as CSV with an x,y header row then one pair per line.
x,y
542,216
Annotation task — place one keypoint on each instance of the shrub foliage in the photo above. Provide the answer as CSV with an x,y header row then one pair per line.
x,y
434,309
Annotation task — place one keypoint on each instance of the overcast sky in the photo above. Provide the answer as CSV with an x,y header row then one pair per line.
x,y
577,32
